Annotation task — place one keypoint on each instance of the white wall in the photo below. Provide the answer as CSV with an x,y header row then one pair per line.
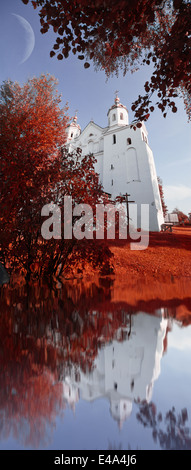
x,y
133,171
124,167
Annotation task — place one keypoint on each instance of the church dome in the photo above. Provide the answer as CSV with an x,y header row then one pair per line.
x,y
73,129
118,114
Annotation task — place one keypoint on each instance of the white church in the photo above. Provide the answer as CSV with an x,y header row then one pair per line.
x,y
124,160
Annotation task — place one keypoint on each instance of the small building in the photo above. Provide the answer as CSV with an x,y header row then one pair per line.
x,y
171,218
124,160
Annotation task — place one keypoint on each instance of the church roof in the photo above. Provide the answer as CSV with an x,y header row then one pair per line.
x,y
93,124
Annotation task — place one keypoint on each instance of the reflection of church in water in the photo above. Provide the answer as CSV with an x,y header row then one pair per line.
x,y
125,371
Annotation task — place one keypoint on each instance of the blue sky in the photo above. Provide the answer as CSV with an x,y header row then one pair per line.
x,y
91,94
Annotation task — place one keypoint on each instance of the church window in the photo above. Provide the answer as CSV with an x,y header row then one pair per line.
x,y
112,167
114,139
132,385
129,141
90,135
121,116
72,134
113,117
115,386
111,182
132,165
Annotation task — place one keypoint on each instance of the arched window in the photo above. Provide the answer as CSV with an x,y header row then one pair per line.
x,y
129,141
113,117
114,139
121,116
72,134
132,165
111,182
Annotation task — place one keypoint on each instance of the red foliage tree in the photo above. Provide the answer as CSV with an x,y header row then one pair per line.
x,y
164,206
34,171
32,129
123,35
182,218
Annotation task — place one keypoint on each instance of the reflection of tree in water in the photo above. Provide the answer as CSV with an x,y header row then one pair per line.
x,y
171,432
30,402
43,334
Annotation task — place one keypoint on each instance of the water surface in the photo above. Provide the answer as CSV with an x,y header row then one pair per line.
x,y
95,365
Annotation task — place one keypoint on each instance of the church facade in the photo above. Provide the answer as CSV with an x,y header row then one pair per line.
x,y
124,160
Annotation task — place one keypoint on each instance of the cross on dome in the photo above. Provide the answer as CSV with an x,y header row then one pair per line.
x,y
75,117
117,100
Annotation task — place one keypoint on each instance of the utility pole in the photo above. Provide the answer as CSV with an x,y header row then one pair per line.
x,y
126,199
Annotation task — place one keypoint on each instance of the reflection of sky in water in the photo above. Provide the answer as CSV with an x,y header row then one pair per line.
x,y
181,337
174,385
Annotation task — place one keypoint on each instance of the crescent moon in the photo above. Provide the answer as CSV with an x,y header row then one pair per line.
x,y
29,35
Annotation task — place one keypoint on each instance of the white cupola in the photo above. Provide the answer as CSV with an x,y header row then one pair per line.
x,y
118,114
73,129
